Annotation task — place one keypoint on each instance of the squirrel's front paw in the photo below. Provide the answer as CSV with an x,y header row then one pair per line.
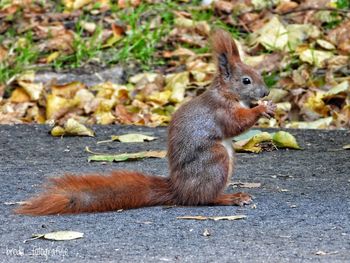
x,y
270,109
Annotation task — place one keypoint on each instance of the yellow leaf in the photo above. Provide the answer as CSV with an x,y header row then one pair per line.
x,y
314,106
57,106
284,139
297,33
103,112
19,95
104,117
314,57
73,128
57,131
252,144
52,56
111,41
160,97
254,60
176,84
33,89
277,95
273,35
75,4
150,77
184,22
67,91
322,123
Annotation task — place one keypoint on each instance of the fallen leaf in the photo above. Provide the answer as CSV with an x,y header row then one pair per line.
x,y
314,57
322,123
283,190
57,106
19,95
245,185
72,128
252,144
273,35
323,253
247,135
68,90
52,57
260,4
33,89
57,131
131,137
61,235
215,218
126,156
75,4
284,139
341,87
325,44
346,147
298,33
177,83
16,203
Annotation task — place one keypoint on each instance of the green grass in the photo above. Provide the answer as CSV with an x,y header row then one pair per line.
x,y
140,44
270,79
343,4
85,49
25,56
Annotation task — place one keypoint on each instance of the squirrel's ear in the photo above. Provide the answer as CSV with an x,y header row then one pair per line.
x,y
225,51
224,67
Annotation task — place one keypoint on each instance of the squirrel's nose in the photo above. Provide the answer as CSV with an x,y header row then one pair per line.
x,y
265,93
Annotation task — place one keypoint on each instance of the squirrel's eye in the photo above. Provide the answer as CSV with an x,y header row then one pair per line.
x,y
246,81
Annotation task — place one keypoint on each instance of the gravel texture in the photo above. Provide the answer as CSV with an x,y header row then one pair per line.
x,y
302,206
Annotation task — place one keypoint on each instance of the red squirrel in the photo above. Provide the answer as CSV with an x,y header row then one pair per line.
x,y
200,150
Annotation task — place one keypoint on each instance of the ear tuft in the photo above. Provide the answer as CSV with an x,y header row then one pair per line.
x,y
222,42
225,52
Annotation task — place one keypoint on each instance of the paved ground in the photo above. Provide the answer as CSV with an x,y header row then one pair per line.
x,y
302,206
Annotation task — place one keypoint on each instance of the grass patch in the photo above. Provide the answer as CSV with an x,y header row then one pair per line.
x,y
22,55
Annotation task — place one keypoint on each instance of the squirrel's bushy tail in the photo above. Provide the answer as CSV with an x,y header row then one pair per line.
x,y
97,193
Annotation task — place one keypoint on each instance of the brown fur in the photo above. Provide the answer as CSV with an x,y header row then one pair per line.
x,y
200,160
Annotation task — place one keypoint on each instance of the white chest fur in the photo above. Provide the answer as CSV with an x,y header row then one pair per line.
x,y
229,149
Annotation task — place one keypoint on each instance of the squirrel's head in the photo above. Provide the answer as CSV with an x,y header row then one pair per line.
x,y
232,74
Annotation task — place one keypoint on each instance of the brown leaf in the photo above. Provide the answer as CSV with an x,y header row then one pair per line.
x,y
224,6
286,6
341,36
118,30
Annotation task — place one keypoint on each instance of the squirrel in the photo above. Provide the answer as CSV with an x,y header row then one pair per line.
x,y
200,152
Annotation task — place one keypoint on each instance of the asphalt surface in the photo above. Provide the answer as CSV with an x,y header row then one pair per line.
x,y
301,209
